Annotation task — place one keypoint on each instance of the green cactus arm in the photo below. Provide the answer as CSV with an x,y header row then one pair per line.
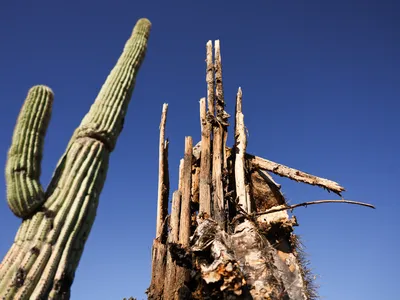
x,y
24,191
105,119
41,263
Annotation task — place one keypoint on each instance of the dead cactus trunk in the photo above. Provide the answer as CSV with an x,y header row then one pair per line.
x,y
230,235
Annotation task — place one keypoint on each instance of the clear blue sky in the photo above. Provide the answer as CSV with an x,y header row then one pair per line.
x,y
320,91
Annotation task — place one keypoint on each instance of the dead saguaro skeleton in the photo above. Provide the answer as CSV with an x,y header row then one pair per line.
x,y
229,235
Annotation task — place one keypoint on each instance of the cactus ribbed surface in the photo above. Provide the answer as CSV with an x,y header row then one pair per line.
x,y
47,248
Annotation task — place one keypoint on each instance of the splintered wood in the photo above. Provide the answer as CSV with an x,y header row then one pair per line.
x,y
229,235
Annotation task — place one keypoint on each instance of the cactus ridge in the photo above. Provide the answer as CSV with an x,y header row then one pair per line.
x,y
47,248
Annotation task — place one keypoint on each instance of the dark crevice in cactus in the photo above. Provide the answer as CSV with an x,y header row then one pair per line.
x,y
47,248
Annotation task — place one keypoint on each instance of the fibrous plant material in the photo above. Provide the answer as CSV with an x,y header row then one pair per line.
x,y
236,241
47,248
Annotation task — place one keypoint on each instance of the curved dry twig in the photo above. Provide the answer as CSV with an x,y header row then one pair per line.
x,y
280,208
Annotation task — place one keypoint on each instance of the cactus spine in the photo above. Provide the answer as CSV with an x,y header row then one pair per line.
x,y
47,248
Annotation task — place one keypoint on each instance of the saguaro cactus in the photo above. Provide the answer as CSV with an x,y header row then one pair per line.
x,y
47,248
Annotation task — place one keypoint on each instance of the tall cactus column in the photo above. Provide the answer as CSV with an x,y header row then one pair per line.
x,y
46,251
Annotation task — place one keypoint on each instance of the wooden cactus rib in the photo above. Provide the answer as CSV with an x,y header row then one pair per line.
x,y
205,162
219,139
240,145
294,174
46,251
163,188
184,224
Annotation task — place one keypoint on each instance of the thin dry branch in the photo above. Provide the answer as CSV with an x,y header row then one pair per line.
x,y
280,208
162,198
294,174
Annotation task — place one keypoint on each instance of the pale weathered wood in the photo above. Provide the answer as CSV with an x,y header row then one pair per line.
x,y
163,189
180,182
205,162
294,174
210,79
218,195
175,215
195,182
240,145
221,115
184,225
218,139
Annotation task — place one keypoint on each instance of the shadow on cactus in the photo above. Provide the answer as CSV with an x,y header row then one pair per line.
x,y
42,261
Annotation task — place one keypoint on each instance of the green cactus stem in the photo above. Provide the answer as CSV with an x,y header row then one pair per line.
x,y
42,261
